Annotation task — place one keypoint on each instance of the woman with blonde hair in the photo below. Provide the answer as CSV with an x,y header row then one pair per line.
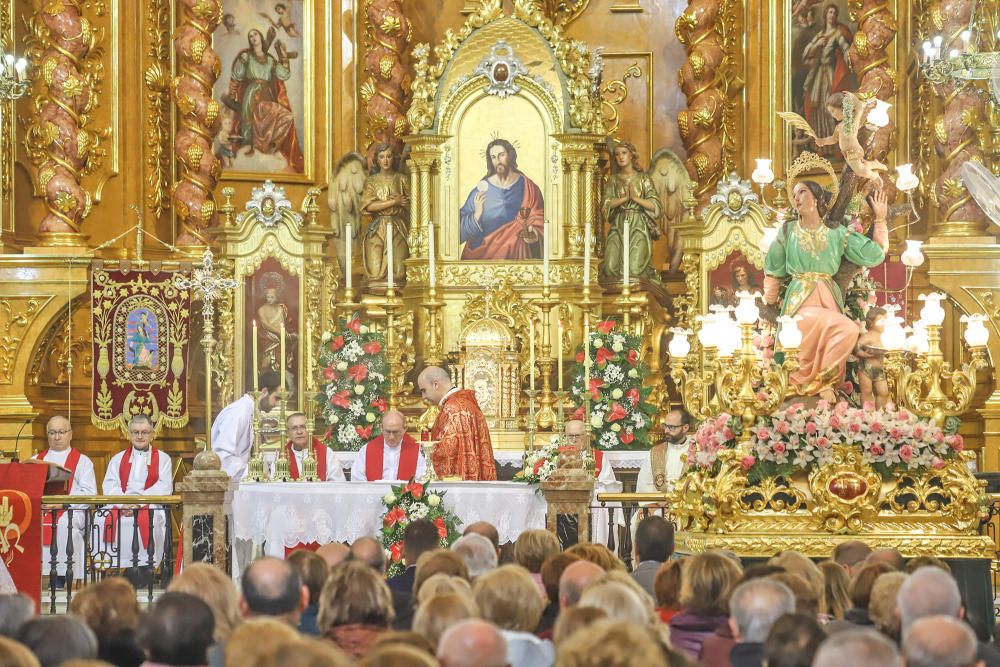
x,y
444,584
705,584
244,648
532,548
354,608
110,608
835,590
796,563
15,654
217,591
439,613
598,554
619,601
438,561
508,598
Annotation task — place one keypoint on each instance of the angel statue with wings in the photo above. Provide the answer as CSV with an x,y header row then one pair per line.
x,y
647,203
383,195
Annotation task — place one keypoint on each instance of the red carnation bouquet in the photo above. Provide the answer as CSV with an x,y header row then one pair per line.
x,y
409,502
356,374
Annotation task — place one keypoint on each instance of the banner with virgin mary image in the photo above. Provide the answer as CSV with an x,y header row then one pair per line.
x,y
141,325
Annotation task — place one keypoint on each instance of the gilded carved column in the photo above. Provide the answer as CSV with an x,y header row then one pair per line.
x,y
574,234
62,43
387,31
870,60
709,81
955,128
198,67
424,166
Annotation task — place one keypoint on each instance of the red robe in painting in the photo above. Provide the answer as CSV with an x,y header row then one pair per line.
x,y
463,445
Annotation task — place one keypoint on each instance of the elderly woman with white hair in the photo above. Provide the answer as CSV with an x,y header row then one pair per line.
x,y
477,552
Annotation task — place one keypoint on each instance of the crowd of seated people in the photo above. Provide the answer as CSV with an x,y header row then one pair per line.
x,y
466,607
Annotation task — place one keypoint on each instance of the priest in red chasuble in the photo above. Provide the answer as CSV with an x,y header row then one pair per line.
x,y
463,439
327,469
392,456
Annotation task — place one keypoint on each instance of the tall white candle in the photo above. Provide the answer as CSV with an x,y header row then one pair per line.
x,y
626,254
388,240
432,253
586,355
256,371
281,358
586,254
545,251
559,354
531,358
348,251
309,355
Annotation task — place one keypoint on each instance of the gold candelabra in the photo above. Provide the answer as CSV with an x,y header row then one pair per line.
x,y
256,468
282,467
532,425
733,379
545,417
915,367
14,82
435,342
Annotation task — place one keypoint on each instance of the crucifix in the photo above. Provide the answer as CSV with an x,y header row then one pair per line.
x,y
210,286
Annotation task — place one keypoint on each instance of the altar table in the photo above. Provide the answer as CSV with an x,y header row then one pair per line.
x,y
285,514
619,459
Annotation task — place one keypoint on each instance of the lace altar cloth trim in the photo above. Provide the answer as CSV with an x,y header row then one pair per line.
x,y
286,514
620,460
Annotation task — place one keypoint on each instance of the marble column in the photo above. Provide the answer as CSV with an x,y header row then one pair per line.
x,y
568,492
204,493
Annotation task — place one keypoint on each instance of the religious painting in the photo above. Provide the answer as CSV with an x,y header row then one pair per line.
x,y
736,274
143,339
264,89
821,33
502,207
272,300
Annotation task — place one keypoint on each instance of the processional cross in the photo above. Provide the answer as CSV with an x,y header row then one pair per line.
x,y
210,286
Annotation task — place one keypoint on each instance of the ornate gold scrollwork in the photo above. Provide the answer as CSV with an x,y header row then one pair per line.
x,y
157,83
613,94
499,301
845,492
16,315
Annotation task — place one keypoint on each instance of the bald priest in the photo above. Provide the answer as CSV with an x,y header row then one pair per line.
x,y
392,456
463,447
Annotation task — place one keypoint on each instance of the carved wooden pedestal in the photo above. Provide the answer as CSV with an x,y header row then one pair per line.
x,y
204,494
568,492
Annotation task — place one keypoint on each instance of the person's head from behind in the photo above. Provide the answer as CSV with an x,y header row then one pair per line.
x,y
15,654
56,639
575,579
477,552
217,591
367,550
109,607
929,591
755,605
940,641
15,610
667,584
705,581
445,584
598,554
806,601
654,539
533,547
245,643
857,647
793,641
837,583
882,605
438,561
487,530
396,655
472,643
860,588
552,571
572,620
355,594
312,571
612,643
619,602
509,598
889,556
419,537
440,612
272,587
178,630
799,564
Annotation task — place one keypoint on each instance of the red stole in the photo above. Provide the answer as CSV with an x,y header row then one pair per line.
x,y
319,451
72,461
141,516
407,458
598,462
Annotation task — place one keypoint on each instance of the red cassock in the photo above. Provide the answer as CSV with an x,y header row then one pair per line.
x,y
463,439
408,455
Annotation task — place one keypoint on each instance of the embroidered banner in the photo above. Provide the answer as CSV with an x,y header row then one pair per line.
x,y
141,325
21,488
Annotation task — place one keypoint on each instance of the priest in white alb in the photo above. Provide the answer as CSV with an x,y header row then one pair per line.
x,y
140,470
392,456
327,469
82,483
232,430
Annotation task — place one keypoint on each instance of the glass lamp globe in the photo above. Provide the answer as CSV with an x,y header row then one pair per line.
x,y
976,333
789,334
747,311
893,336
906,180
707,333
912,256
679,345
932,314
763,174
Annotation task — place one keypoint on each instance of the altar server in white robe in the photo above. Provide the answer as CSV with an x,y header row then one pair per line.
x,y
575,434
232,430
327,469
392,456
82,483
140,470
666,461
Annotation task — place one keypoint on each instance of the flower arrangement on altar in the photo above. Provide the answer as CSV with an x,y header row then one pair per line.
x,y
620,414
409,502
800,438
540,463
356,384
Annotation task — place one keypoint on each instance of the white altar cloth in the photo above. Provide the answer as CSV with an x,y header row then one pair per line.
x,y
620,460
286,514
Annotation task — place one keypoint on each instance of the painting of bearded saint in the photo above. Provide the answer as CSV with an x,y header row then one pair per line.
x,y
504,215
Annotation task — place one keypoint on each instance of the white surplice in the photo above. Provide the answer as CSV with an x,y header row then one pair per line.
x,y
232,436
390,464
84,484
136,486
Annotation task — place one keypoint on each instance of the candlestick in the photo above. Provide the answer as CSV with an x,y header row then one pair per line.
x,y
281,359
348,251
309,355
256,373
432,254
586,255
626,254
586,354
545,252
559,354
531,346
388,237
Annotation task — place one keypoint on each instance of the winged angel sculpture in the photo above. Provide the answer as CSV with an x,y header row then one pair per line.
x,y
380,194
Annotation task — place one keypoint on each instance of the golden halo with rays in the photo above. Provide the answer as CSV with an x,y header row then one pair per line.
x,y
494,135
808,162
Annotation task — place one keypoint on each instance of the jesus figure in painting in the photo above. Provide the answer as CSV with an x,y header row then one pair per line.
x,y
504,215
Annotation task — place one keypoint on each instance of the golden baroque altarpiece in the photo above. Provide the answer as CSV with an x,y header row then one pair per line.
x,y
123,111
